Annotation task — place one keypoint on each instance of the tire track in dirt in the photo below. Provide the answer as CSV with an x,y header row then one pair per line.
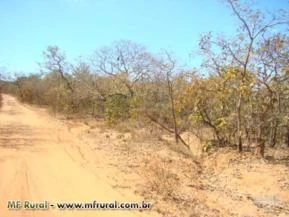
x,y
41,160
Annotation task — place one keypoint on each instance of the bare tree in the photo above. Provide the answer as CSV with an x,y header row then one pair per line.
x,y
55,61
165,70
126,61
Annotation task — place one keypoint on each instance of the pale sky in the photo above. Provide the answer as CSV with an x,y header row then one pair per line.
x,y
80,26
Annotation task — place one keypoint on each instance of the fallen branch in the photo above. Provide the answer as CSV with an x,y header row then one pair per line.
x,y
167,129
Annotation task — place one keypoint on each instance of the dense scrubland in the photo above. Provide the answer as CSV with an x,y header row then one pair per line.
x,y
239,97
0,98
204,141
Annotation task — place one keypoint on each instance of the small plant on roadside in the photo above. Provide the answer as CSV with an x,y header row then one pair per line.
x,y
160,179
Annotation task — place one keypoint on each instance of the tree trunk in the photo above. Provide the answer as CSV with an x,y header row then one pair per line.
x,y
261,143
240,143
171,94
273,134
261,148
287,137
169,130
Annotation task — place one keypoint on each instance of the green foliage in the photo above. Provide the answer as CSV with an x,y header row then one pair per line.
x,y
116,108
207,147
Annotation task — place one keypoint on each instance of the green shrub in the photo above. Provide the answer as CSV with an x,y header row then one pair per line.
x,y
116,108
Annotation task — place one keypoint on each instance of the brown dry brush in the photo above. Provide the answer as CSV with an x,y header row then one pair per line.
x,y
0,98
243,99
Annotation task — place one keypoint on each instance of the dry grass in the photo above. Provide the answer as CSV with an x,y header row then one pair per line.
x,y
160,179
177,186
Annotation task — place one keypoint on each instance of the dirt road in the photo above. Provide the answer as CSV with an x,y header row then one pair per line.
x,y
38,163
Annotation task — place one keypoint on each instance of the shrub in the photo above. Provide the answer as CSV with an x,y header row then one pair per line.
x,y
160,179
116,108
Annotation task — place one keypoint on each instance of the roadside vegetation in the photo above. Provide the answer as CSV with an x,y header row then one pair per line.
x,y
1,85
238,98
204,141
0,99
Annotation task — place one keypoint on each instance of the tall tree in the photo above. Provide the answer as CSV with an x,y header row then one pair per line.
x,y
240,52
